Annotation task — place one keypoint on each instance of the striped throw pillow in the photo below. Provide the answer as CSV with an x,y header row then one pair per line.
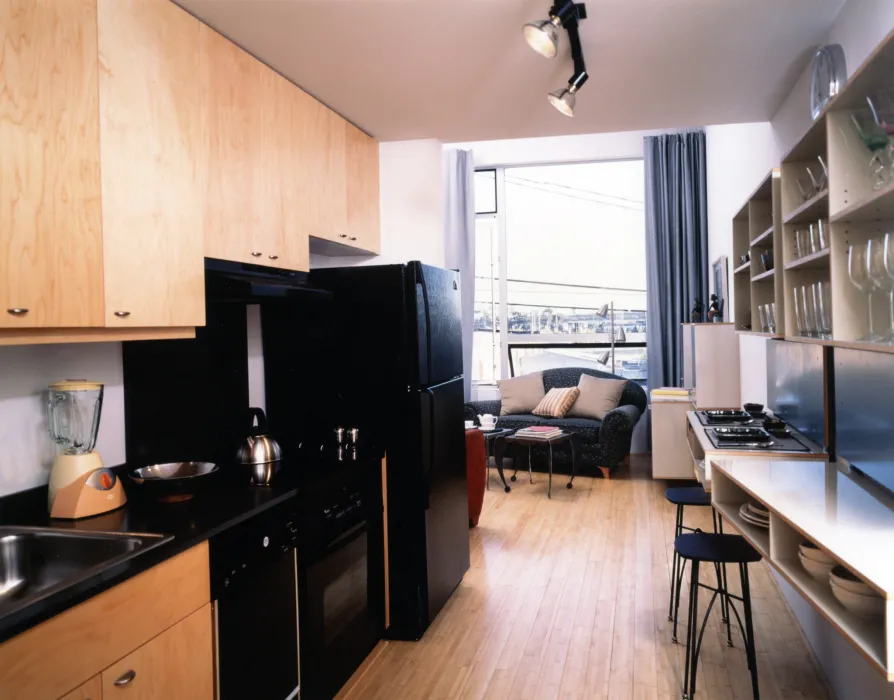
x,y
557,402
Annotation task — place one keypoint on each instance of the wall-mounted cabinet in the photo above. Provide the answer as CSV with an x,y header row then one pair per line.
x,y
760,303
836,193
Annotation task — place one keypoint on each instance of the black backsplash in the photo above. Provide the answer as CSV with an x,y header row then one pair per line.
x,y
796,387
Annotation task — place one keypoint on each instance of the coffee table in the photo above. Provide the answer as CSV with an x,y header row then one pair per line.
x,y
491,442
572,438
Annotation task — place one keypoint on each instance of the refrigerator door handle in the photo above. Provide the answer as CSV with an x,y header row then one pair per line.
x,y
429,449
421,277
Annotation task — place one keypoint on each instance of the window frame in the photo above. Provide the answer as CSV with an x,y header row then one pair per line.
x,y
505,370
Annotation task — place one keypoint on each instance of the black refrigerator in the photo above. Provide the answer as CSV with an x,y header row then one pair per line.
x,y
384,354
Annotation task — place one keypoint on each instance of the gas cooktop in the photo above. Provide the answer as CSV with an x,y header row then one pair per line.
x,y
726,417
753,438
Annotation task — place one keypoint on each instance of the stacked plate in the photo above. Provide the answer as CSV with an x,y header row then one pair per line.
x,y
756,514
854,594
815,561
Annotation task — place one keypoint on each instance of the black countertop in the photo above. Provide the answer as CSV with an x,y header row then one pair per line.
x,y
225,502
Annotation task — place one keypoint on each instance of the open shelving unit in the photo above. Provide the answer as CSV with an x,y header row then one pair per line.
x,y
756,231
851,208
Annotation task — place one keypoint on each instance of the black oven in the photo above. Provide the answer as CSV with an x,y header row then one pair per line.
x,y
340,578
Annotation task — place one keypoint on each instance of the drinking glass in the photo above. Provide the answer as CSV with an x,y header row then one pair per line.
x,y
808,315
814,238
876,140
799,324
771,317
824,298
762,314
877,250
858,272
800,244
822,228
881,104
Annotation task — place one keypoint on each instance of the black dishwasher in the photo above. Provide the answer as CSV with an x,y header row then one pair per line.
x,y
254,586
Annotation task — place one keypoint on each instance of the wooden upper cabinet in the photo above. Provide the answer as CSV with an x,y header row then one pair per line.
x,y
362,164
51,265
178,663
152,150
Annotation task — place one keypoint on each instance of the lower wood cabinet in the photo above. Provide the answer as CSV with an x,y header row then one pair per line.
x,y
177,665
91,690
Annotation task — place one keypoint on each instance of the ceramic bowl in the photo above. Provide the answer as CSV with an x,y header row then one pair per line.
x,y
818,570
846,579
863,605
814,553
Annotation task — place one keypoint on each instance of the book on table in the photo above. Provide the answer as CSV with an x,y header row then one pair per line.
x,y
543,432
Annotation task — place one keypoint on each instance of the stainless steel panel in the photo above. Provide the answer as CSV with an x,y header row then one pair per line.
x,y
864,412
795,386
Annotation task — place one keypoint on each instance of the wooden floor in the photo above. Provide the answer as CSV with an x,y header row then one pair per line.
x,y
568,598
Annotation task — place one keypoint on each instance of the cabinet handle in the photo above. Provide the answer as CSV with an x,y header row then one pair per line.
x,y
342,235
353,238
256,255
273,257
17,312
125,678
122,314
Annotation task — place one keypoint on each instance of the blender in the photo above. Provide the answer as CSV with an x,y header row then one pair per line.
x,y
80,486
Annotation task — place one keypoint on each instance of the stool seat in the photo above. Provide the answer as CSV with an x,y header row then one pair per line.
x,y
722,549
688,496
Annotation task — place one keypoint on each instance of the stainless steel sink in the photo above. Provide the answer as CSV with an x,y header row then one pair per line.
x,y
35,562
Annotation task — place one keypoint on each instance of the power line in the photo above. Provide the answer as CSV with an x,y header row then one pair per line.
x,y
511,181
579,189
565,284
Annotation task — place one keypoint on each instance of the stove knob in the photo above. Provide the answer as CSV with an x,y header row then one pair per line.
x,y
266,541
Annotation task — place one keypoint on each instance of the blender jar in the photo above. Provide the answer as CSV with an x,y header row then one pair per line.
x,y
73,412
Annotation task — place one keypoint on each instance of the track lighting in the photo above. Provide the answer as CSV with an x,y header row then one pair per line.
x,y
543,37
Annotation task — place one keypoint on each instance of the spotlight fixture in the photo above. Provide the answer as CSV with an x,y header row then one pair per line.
x,y
543,37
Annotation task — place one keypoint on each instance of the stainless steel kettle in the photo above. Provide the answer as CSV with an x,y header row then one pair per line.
x,y
258,447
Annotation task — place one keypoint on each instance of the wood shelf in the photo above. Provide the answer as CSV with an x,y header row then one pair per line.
x,y
758,537
742,268
819,259
761,334
764,275
879,204
765,239
815,208
848,344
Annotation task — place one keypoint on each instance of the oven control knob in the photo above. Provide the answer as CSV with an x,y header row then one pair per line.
x,y
226,582
266,541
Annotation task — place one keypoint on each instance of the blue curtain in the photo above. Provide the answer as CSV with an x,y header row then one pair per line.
x,y
677,268
459,236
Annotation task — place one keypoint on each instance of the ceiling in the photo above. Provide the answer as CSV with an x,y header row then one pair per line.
x,y
460,70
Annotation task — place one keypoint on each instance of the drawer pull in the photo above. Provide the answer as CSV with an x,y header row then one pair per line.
x,y
17,311
342,235
256,255
122,314
273,257
125,678
353,238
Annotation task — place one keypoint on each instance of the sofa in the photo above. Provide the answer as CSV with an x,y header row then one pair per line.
x,y
605,444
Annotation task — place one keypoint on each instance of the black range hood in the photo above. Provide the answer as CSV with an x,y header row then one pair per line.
x,y
227,281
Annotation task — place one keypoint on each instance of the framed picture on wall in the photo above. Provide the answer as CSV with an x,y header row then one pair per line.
x,y
721,287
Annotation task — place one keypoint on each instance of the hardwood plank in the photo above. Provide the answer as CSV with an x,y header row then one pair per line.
x,y
567,598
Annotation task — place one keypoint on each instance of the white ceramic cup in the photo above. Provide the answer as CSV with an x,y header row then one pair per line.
x,y
470,424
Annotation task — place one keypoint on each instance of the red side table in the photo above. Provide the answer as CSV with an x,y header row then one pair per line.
x,y
476,473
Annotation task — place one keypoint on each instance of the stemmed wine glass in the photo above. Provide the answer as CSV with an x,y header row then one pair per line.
x,y
876,140
880,266
858,272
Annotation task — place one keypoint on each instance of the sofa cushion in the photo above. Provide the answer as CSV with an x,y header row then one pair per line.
x,y
597,397
557,402
521,394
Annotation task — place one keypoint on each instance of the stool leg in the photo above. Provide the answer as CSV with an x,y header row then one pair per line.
x,y
722,583
673,586
678,583
689,665
749,629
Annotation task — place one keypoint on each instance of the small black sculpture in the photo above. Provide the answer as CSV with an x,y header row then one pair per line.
x,y
715,310
696,315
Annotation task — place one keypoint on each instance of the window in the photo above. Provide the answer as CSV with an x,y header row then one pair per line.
x,y
560,265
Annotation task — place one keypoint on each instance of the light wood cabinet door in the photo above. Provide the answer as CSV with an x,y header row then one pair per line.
x,y
178,664
319,155
50,222
91,690
152,153
362,200
247,120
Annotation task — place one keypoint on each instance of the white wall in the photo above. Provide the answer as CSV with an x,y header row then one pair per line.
x,y
25,372
411,200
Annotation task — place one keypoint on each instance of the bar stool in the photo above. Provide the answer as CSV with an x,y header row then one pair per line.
x,y
696,496
716,549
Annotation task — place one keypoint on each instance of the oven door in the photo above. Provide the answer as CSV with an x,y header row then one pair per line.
x,y
256,633
342,610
